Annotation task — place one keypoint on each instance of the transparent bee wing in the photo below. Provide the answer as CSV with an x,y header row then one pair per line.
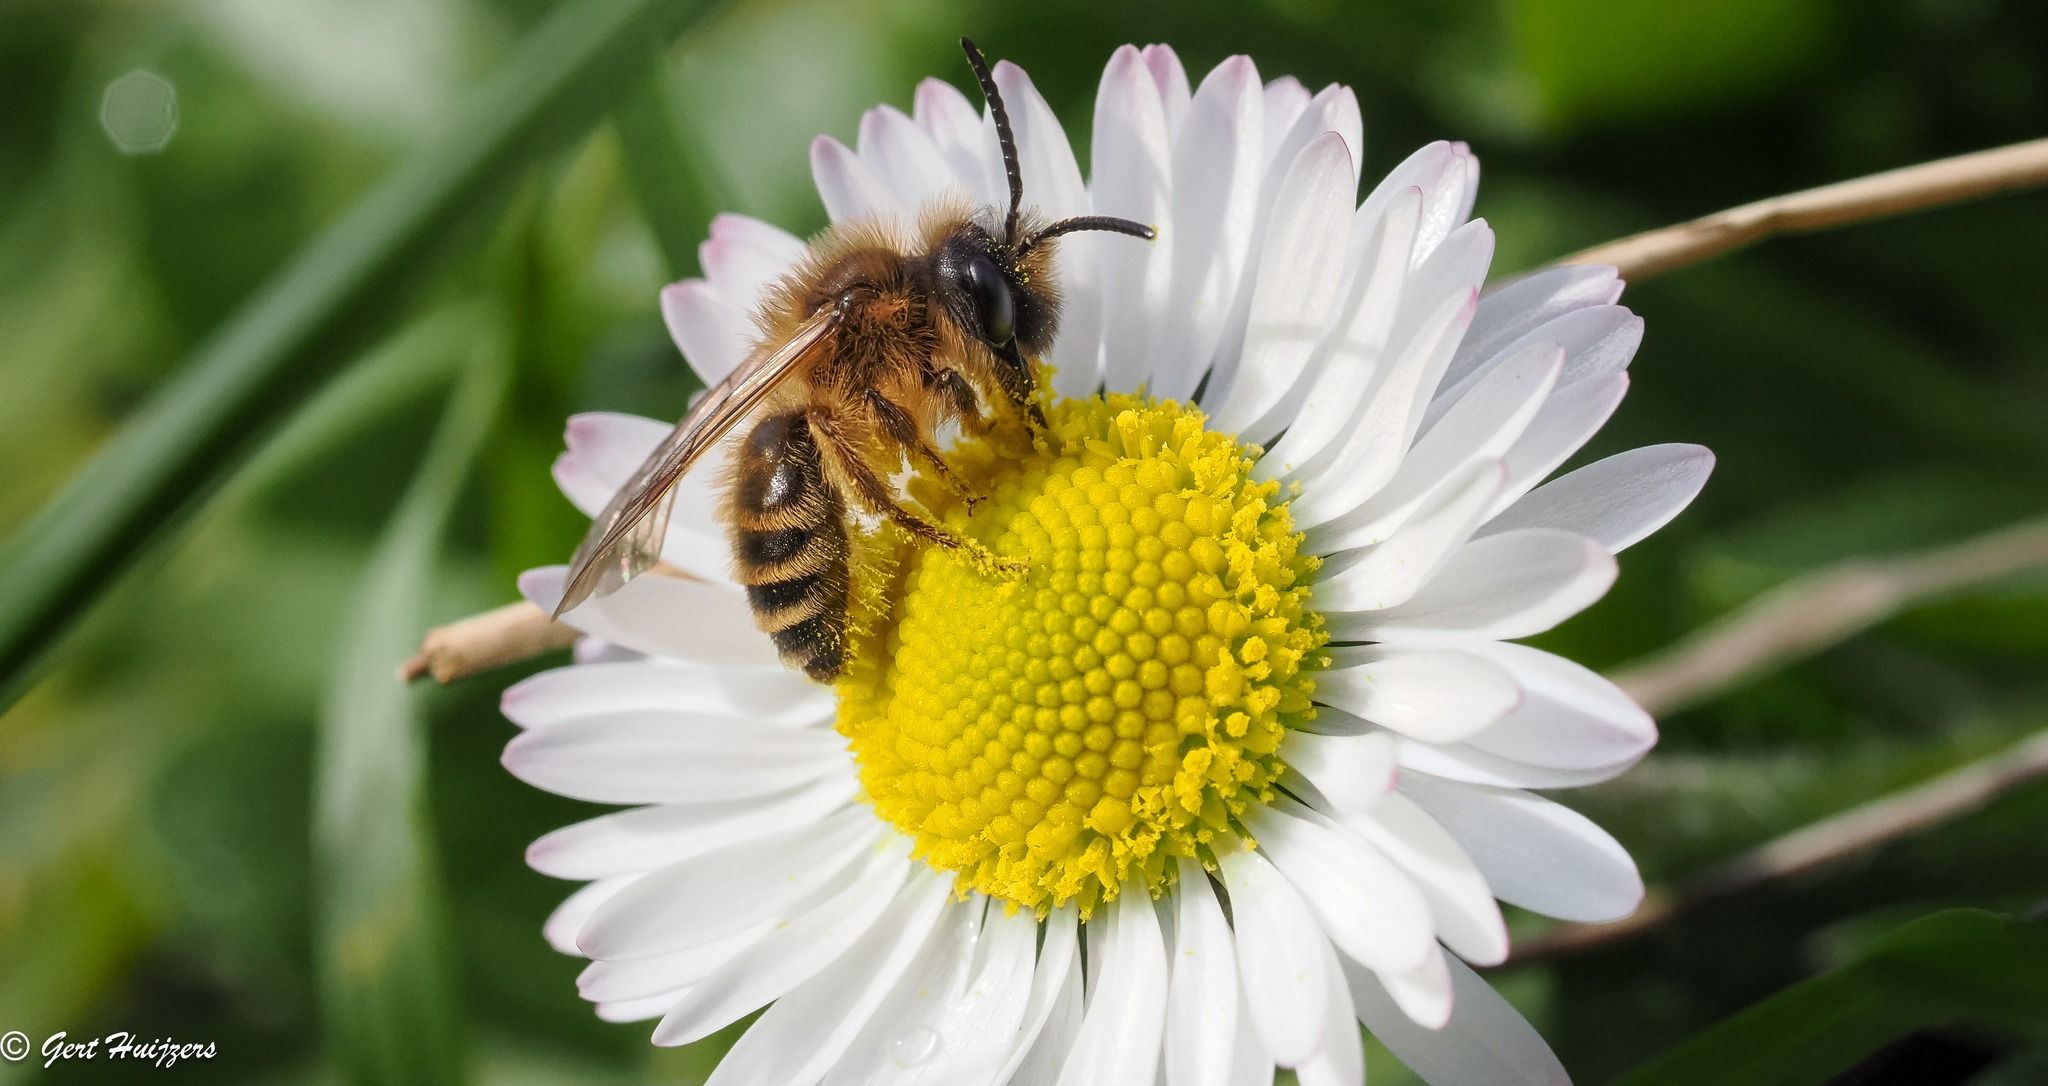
x,y
625,539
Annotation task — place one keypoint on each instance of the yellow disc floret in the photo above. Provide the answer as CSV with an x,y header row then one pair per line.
x,y
1057,736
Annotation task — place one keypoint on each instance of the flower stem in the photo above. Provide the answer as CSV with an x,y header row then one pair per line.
x,y
1894,192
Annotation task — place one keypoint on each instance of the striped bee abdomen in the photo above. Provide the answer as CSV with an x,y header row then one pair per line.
x,y
789,544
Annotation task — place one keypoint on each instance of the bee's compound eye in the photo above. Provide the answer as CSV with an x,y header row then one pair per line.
x,y
991,294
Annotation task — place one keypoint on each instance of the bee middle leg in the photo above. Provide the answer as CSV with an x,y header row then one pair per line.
x,y
896,422
872,492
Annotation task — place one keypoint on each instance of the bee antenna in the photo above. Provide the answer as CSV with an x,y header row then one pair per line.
x,y
1075,225
1004,135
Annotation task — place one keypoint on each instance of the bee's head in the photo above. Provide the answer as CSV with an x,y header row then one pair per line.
x,y
995,278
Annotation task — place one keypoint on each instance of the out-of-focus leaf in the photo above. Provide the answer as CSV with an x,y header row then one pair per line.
x,y
678,190
1960,967
1594,61
349,281
383,957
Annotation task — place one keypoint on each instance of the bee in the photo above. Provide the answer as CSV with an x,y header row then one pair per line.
x,y
867,351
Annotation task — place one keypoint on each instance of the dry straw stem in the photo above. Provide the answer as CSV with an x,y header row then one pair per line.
x,y
1810,613
496,638
1855,830
1894,192
480,643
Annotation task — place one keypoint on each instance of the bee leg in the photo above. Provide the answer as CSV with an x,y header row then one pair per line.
x,y
1019,386
897,423
966,402
875,494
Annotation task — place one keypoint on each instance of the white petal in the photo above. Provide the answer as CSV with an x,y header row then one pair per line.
x,y
670,973
711,329
1332,109
1280,958
1347,773
1132,160
1119,1037
794,952
1510,585
604,450
1447,174
1422,993
1599,341
769,696
905,160
1202,1000
1615,501
743,256
954,127
611,446
799,1038
1540,855
1341,1061
649,837
1296,292
1392,569
1479,430
1515,308
1463,762
848,186
575,910
667,757
1172,80
1332,115
662,616
1369,453
637,1010
1055,967
1252,1066
952,1034
1042,1059
1218,163
596,650
1368,907
1459,261
1569,718
1285,100
721,892
1467,919
899,1041
1486,1043
1570,418
1053,185
1352,357
1439,695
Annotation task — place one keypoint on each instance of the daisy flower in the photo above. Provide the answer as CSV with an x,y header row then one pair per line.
x,y
1248,756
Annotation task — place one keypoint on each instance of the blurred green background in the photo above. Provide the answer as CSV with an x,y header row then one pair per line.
x,y
214,789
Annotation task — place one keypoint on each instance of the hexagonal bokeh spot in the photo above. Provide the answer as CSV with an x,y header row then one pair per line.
x,y
139,112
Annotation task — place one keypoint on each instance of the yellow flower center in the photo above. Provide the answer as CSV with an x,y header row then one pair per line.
x,y
1057,735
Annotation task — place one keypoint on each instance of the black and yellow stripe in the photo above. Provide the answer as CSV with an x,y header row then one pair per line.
x,y
789,544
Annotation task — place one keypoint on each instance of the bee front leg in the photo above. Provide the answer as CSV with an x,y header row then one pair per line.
x,y
1020,386
952,384
848,463
896,422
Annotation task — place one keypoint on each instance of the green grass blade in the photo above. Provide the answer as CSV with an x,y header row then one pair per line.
x,y
678,188
385,967
344,287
